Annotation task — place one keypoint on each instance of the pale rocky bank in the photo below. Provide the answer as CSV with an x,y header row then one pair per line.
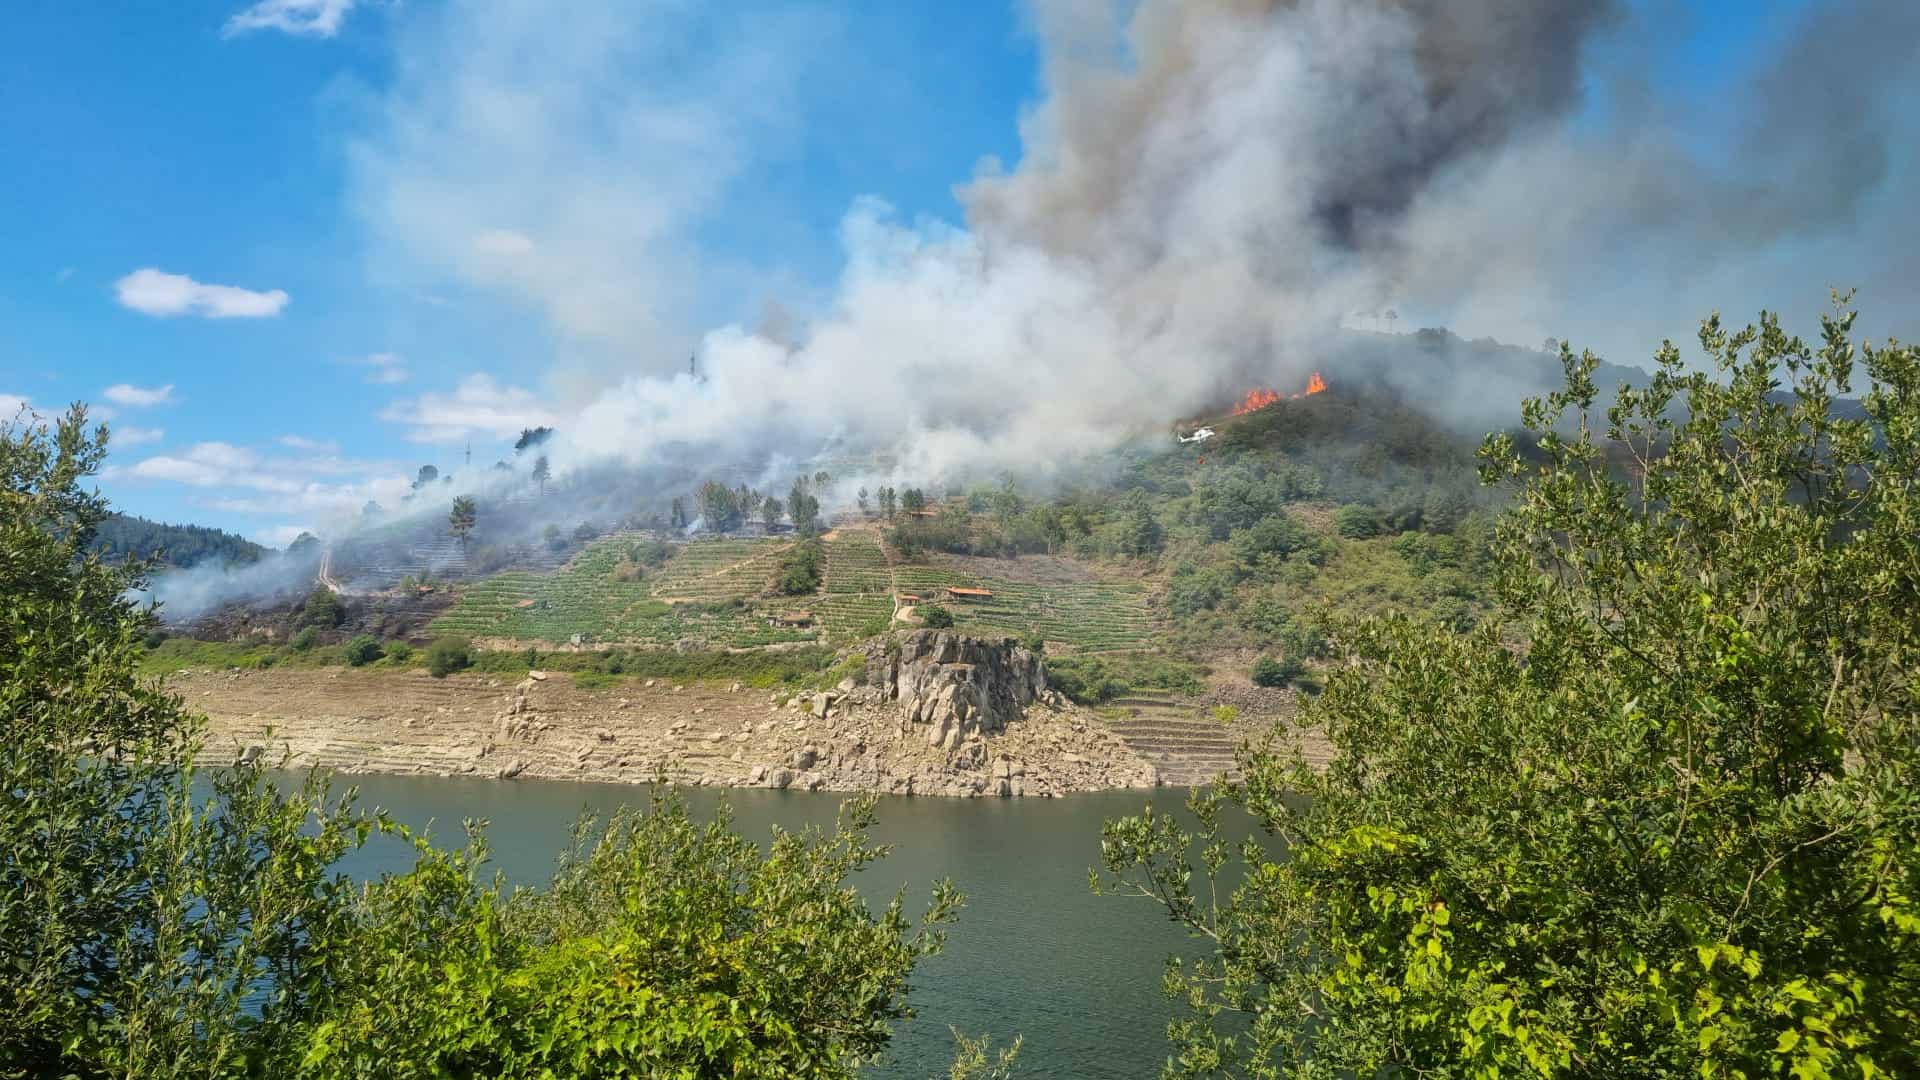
x,y
939,714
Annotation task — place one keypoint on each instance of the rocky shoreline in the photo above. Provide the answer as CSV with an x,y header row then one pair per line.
x,y
939,714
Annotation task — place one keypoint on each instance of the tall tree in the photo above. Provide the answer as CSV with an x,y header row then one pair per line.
x,y
803,508
861,499
719,506
461,519
427,475
770,512
913,500
542,472
678,516
887,503
1659,816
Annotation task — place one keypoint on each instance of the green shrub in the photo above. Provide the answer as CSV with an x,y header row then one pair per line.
x,y
1276,673
595,680
1356,522
1091,680
364,649
303,640
399,652
1658,817
447,655
935,616
323,608
802,568
650,552
154,638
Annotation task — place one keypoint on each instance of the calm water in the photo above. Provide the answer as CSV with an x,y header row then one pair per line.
x,y
1034,953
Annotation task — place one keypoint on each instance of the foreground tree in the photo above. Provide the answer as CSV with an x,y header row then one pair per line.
x,y
1659,817
157,921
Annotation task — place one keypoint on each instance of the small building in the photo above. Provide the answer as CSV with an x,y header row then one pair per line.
x,y
792,619
908,598
956,592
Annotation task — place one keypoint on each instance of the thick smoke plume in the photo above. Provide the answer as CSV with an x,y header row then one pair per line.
x,y
1210,186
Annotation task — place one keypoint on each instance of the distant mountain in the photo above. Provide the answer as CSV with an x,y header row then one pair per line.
x,y
126,536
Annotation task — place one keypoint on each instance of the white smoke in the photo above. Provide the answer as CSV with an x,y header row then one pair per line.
x,y
1205,189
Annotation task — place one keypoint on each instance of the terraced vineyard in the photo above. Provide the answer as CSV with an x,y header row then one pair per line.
x,y
856,563
719,569
584,598
1092,616
858,594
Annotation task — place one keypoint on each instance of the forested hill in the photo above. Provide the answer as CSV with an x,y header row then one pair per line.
x,y
124,535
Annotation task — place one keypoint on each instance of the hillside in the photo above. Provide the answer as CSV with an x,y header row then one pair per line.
x,y
181,546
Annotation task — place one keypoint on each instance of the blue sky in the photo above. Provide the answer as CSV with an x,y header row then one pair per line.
x,y
287,244
147,136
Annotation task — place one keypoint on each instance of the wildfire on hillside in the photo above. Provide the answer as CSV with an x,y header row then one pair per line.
x,y
1262,397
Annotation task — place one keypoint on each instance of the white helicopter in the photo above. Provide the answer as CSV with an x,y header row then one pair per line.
x,y
1197,435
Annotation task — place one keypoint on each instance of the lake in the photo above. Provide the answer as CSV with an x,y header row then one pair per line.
x,y
1033,954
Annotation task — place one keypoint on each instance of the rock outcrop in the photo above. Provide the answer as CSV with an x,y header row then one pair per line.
x,y
957,686
854,737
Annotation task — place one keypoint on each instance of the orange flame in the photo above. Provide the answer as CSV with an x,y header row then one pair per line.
x,y
1262,397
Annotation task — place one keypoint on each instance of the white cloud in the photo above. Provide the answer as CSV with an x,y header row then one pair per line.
x,y
280,536
306,18
156,292
503,242
211,464
135,397
386,368
317,446
11,404
478,404
241,480
131,435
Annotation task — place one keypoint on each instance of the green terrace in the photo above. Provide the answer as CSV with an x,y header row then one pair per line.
x,y
710,580
1097,616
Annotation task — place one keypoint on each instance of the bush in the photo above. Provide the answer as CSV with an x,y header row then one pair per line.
x,y
1356,522
1657,817
399,652
154,638
802,568
1276,673
935,616
1092,680
650,552
447,655
364,649
303,640
323,608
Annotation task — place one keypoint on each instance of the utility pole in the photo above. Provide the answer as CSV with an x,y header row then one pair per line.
x,y
469,451
693,370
